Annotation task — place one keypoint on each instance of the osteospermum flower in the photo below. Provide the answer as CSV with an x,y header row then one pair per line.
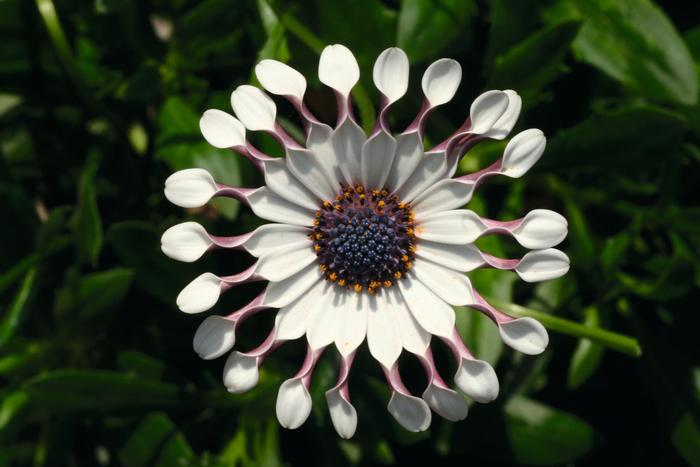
x,y
368,239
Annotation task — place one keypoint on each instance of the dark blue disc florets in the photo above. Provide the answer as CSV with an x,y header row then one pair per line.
x,y
364,240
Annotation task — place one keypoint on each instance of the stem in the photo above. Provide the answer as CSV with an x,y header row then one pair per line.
x,y
619,342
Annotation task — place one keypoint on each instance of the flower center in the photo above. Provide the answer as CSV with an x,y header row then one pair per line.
x,y
365,239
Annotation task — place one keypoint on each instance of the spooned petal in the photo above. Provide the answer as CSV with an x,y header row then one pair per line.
x,y
293,404
441,80
190,188
390,73
451,286
200,294
285,262
543,265
445,402
486,110
541,228
240,373
343,414
430,169
214,337
185,242
462,258
411,412
352,322
414,338
477,379
409,153
525,335
383,334
255,109
338,69
292,320
270,237
522,152
308,167
505,124
444,195
222,130
280,79
324,316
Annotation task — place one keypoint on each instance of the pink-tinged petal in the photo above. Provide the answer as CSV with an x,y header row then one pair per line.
x,y
255,109
475,378
272,207
522,152
458,227
338,69
486,110
410,412
190,188
377,157
506,122
390,73
293,404
240,373
215,336
282,182
444,401
541,228
525,335
200,294
441,80
185,242
542,265
343,414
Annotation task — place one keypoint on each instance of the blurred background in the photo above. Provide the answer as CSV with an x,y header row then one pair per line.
x,y
100,102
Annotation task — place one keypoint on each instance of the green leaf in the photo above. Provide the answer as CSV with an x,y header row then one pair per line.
x,y
642,136
587,355
536,61
19,308
426,27
686,439
94,292
13,413
156,442
86,221
542,435
141,364
99,390
634,42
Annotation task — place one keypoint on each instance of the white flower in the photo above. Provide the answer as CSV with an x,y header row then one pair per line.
x,y
369,240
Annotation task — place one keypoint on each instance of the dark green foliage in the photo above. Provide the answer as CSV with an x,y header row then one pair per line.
x,y
100,101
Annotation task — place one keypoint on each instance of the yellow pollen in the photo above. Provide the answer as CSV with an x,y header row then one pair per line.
x,y
316,223
387,283
357,288
398,274
338,207
409,265
360,189
322,267
326,204
381,204
412,248
317,247
333,276
385,193
404,258
319,236
342,282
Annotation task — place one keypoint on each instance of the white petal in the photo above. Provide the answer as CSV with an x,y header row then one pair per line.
x,y
280,79
522,152
447,403
308,168
347,142
457,227
458,257
352,322
441,80
541,228
383,335
414,338
185,242
543,265
433,314
240,373
292,320
338,68
270,237
343,414
451,286
477,379
214,337
200,294
411,412
430,169
222,130
255,109
486,110
377,156
442,196
324,316
409,153
525,335
190,188
279,294
320,144
390,73
272,207
293,404
505,124
285,262
280,180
